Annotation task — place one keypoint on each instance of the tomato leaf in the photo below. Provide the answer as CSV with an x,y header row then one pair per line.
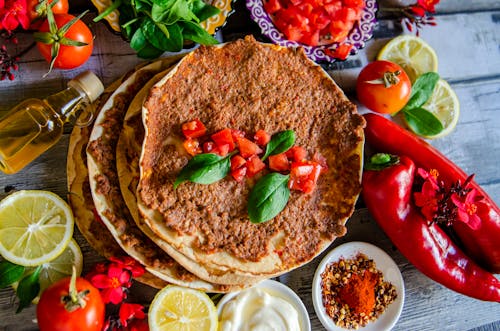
x,y
268,197
205,169
422,90
28,289
10,273
422,121
280,142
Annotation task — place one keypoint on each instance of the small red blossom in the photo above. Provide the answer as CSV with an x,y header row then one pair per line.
x,y
417,10
112,284
467,208
130,264
427,200
428,5
13,13
129,311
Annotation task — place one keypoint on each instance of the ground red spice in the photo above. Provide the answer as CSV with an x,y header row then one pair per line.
x,y
359,292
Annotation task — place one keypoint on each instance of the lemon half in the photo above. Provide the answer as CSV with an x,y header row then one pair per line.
x,y
180,308
412,53
35,227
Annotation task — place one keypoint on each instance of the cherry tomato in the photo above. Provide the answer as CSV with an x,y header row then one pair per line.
x,y
60,7
383,95
69,57
52,315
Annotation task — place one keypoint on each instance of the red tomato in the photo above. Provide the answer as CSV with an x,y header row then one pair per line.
x,y
192,146
193,129
304,175
60,7
69,57
52,315
279,162
237,162
376,95
262,137
254,166
341,52
239,174
224,137
248,148
296,154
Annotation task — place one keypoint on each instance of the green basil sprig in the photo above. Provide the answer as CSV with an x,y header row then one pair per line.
x,y
10,273
280,142
420,120
156,26
28,289
205,169
268,197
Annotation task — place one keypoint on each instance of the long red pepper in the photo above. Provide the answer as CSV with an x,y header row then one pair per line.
x,y
387,194
483,243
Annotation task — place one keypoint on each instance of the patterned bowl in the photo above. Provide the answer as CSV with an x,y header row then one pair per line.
x,y
360,33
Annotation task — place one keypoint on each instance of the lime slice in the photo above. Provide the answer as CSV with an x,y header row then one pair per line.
x,y
444,104
180,308
412,53
35,227
59,268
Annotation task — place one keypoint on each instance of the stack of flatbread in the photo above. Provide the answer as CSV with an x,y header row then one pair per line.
x,y
121,170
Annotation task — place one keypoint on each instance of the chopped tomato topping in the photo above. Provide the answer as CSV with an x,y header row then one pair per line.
x,y
262,137
237,134
221,150
254,166
237,161
192,146
208,146
272,6
224,137
341,52
321,160
239,174
296,154
304,175
279,162
248,148
193,129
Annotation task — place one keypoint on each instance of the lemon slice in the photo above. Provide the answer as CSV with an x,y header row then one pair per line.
x,y
444,104
59,268
35,227
180,308
412,53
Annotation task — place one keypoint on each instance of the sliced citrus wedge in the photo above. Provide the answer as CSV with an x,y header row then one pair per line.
x,y
180,308
444,104
412,53
35,227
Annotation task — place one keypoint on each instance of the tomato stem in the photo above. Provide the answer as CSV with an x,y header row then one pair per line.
x,y
390,78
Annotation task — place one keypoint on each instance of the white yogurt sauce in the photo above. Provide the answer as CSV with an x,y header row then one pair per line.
x,y
256,309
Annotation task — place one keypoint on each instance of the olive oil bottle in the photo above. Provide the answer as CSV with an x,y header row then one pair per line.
x,y
35,125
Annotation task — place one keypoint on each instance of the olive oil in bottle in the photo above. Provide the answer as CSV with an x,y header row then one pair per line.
x,y
35,125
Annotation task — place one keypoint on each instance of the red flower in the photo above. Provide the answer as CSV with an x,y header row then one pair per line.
x,y
112,284
129,311
417,10
130,264
467,208
427,200
13,13
428,5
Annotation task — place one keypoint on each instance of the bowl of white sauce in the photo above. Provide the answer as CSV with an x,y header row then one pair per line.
x,y
269,305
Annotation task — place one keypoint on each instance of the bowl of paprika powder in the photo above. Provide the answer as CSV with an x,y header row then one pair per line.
x,y
358,286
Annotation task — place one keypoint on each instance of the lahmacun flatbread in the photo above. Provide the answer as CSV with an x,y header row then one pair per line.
x,y
104,184
246,85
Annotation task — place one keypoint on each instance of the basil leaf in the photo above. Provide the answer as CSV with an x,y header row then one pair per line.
x,y
163,37
138,40
422,90
10,273
204,169
268,197
194,32
142,6
203,10
280,142
28,289
423,122
180,11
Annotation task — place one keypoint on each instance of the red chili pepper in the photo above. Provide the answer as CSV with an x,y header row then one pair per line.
x,y
387,194
481,244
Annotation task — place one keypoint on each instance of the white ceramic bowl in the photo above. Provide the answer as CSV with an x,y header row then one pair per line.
x,y
280,290
384,263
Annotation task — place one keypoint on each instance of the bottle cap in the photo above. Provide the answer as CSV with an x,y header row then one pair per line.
x,y
89,83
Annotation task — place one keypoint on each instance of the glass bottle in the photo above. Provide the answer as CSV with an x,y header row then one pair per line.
x,y
35,125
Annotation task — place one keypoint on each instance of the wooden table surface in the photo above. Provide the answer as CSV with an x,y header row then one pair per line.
x,y
467,42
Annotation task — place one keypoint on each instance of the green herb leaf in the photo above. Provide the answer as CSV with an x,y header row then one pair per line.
x,y
422,90
203,10
268,197
205,169
10,273
280,142
422,121
194,32
28,289
161,36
